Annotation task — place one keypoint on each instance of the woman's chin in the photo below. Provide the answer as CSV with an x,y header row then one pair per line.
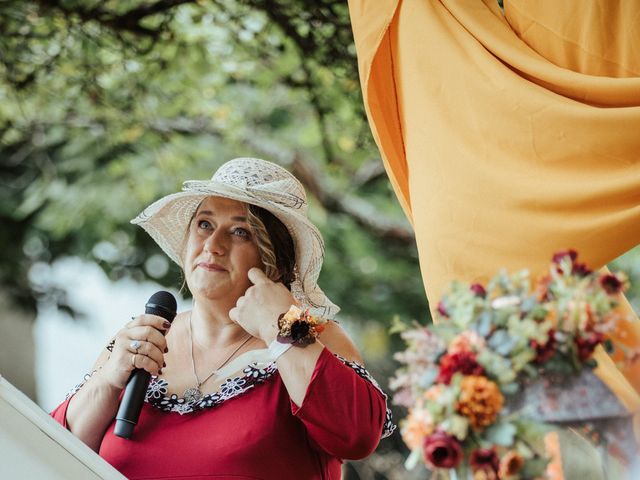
x,y
218,293
209,291
216,286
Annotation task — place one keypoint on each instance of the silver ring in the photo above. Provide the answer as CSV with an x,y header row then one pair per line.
x,y
135,345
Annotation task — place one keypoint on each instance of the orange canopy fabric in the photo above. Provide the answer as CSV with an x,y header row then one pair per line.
x,y
509,135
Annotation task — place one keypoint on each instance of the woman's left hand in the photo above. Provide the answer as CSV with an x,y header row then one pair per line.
x,y
257,311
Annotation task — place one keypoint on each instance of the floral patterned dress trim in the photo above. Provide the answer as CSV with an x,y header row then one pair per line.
x,y
158,388
389,427
232,387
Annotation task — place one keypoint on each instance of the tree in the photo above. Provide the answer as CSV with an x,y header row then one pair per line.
x,y
106,106
121,100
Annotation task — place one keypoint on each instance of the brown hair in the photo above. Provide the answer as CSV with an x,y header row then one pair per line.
x,y
275,245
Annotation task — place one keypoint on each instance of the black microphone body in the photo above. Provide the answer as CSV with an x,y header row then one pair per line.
x,y
164,305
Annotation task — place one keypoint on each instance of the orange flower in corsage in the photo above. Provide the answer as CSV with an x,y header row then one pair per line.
x,y
299,327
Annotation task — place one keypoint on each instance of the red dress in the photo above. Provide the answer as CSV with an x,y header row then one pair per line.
x,y
250,429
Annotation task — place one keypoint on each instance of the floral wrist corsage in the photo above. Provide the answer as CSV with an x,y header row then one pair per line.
x,y
299,327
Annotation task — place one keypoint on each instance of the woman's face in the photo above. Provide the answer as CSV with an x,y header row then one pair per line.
x,y
220,250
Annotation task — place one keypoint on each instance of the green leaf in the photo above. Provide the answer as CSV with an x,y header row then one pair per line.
x,y
580,459
501,433
397,325
510,388
535,468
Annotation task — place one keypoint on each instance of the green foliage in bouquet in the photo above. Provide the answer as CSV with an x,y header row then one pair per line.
x,y
458,375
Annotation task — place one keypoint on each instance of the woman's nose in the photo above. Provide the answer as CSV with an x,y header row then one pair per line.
x,y
215,243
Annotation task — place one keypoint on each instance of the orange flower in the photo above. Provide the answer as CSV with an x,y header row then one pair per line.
x,y
467,341
542,288
552,318
552,447
484,475
433,393
480,401
416,427
510,464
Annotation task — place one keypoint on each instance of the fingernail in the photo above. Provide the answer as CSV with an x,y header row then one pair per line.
x,y
166,324
166,349
164,364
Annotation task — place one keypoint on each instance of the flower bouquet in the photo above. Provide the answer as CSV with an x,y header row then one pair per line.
x,y
463,378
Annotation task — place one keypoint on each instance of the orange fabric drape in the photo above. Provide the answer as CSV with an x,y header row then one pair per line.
x,y
508,136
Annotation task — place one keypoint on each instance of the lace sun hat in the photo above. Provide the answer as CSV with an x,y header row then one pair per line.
x,y
256,182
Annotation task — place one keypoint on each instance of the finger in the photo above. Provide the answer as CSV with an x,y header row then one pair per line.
x,y
134,346
240,301
145,363
150,350
233,314
258,277
147,334
149,320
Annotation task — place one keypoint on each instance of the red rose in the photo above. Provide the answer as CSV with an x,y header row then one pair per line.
x,y
478,290
442,309
580,269
558,256
587,344
544,351
611,284
442,451
485,460
463,362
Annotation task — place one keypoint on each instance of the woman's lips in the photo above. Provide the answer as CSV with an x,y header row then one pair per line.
x,y
212,267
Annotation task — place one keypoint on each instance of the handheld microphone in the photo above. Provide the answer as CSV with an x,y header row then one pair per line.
x,y
164,305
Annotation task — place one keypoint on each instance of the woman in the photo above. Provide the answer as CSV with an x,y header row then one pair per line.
x,y
246,385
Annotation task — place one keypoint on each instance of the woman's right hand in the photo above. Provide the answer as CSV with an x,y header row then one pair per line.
x,y
149,331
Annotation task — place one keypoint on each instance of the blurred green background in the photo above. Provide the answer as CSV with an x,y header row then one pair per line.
x,y
107,105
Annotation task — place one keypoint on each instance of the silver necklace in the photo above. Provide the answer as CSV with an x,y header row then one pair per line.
x,y
194,394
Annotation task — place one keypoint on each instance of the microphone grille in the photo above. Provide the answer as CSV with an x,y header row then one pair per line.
x,y
162,304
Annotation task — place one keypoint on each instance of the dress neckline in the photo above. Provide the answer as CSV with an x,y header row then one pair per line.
x,y
251,375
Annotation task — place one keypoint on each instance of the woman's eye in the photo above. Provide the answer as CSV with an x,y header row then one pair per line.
x,y
204,224
241,232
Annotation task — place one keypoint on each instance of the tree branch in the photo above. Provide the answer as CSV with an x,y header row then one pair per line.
x,y
361,211
128,21
368,172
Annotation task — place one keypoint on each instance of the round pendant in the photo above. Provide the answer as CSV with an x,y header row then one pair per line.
x,y
192,395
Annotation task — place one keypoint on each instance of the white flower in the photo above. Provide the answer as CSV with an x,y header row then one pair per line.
x,y
505,302
183,408
157,388
232,387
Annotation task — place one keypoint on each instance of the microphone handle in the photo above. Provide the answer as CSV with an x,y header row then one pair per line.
x,y
131,404
162,304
